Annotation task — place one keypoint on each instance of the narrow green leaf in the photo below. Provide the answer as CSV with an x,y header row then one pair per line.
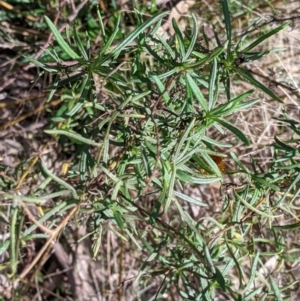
x,y
183,176
161,88
83,162
60,40
102,28
292,185
209,259
237,265
41,65
276,290
212,164
217,37
110,174
132,238
265,36
245,35
154,30
67,80
170,189
191,223
112,37
13,238
232,105
216,143
193,40
253,56
189,199
205,294
288,227
51,213
168,73
246,105
73,136
179,38
220,279
266,184
38,199
155,55
59,181
146,163
84,90
138,31
234,130
118,219
263,214
252,272
217,51
231,263
4,246
227,84
197,92
252,295
79,43
255,83
116,189
182,141
212,95
227,21
283,146
239,163
167,47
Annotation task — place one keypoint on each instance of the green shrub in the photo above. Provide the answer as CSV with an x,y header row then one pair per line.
x,y
138,118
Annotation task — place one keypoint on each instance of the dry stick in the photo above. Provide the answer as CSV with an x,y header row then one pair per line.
x,y
33,219
49,41
161,285
50,240
18,101
126,280
120,287
23,117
